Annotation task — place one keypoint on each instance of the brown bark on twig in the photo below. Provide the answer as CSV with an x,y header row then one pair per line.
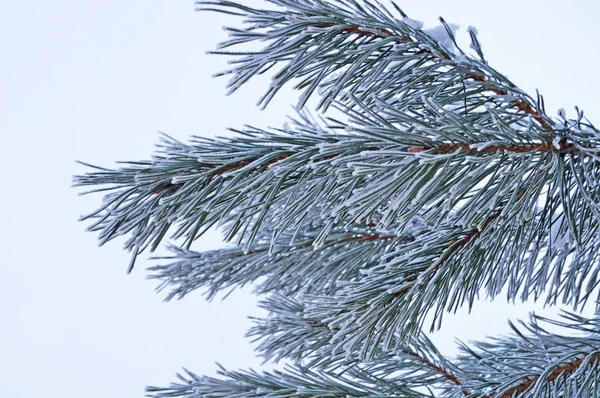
x,y
564,369
444,372
524,148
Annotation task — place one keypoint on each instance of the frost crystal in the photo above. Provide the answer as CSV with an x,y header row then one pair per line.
x,y
556,142
472,29
480,146
440,34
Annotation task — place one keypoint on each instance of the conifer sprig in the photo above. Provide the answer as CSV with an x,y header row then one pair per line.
x,y
531,362
291,265
442,182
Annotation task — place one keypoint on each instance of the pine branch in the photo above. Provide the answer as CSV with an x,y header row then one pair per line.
x,y
445,373
318,271
407,293
446,181
476,148
498,365
359,181
416,362
562,370
368,313
167,205
382,33
184,181
305,24
535,362
529,362
297,382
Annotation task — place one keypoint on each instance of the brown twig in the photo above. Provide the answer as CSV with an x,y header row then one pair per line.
x,y
170,187
523,106
564,369
444,372
524,148
167,186
453,247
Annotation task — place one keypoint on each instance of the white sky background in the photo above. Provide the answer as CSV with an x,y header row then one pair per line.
x,y
95,81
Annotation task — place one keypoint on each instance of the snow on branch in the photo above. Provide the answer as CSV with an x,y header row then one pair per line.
x,y
442,181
